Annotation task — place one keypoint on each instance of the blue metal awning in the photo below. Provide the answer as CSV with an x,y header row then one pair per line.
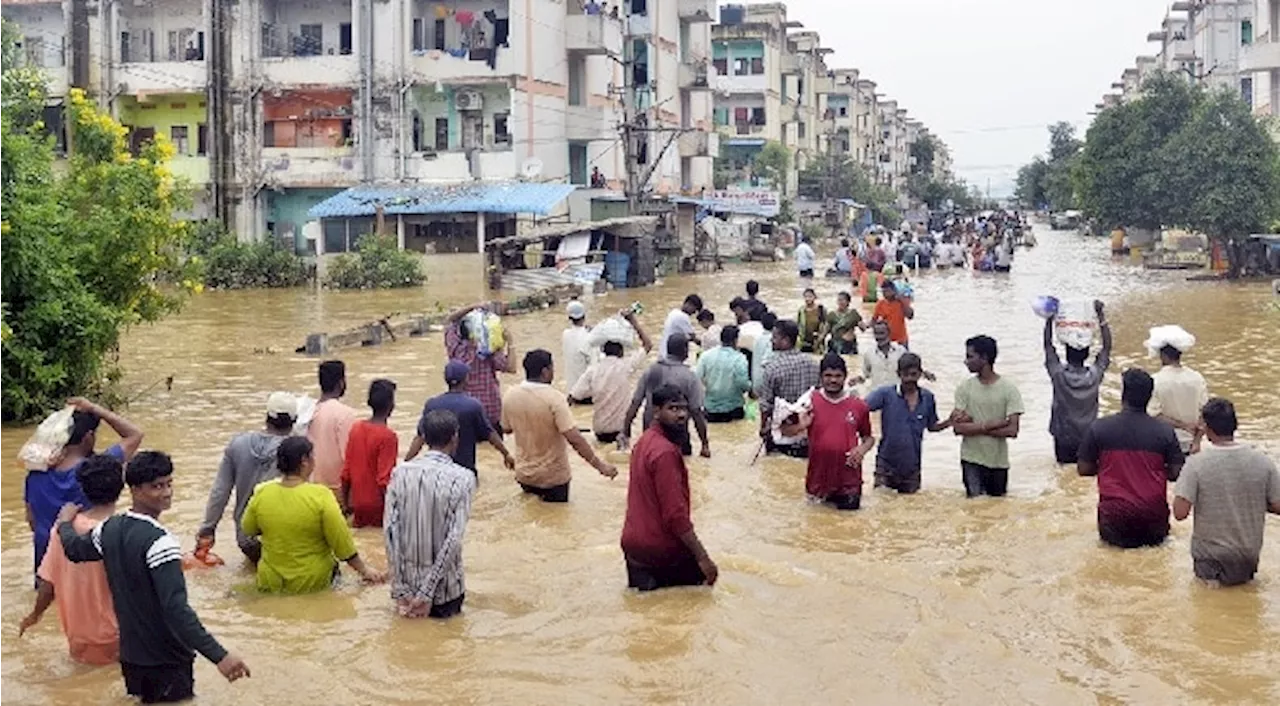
x,y
471,197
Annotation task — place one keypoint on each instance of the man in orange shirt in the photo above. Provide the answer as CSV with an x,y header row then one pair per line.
x,y
894,310
85,608
371,453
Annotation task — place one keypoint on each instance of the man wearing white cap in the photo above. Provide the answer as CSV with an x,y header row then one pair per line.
x,y
577,354
248,460
1180,391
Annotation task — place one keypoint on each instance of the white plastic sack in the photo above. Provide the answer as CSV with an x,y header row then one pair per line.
x,y
614,328
1076,324
1176,336
783,409
306,410
45,446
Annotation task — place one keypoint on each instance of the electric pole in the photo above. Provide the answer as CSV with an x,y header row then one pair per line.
x,y
628,114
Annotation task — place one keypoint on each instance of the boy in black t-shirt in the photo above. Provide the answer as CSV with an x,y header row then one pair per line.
x,y
159,632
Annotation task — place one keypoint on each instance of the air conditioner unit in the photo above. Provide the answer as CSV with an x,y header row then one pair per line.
x,y
468,100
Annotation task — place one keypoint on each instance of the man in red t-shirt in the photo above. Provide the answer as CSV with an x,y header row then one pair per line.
x,y
839,437
1134,456
894,310
658,542
372,449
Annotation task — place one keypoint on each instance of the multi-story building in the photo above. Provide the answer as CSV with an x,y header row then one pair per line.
x,y
867,141
275,106
838,105
45,27
1219,44
1260,61
748,46
1217,29
803,73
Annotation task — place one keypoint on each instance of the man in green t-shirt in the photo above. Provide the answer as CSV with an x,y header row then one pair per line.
x,y
989,408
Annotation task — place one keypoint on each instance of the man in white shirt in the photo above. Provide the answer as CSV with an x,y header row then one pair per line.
x,y
680,321
1179,395
608,382
1004,255
577,354
805,257
880,364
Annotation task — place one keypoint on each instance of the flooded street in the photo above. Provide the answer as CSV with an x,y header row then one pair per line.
x,y
925,599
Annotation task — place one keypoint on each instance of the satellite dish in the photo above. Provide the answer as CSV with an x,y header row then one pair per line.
x,y
531,168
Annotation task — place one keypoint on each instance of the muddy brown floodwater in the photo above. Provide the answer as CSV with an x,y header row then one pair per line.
x,y
928,599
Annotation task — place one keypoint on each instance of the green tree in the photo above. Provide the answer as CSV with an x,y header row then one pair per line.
x,y
924,150
1030,186
1121,177
378,263
87,250
1181,157
772,163
122,211
1063,143
1226,167
832,176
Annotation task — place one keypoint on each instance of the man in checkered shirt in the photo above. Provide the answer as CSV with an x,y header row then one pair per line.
x,y
788,374
482,378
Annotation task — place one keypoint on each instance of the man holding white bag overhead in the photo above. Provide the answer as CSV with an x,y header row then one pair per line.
x,y
1180,391
1075,385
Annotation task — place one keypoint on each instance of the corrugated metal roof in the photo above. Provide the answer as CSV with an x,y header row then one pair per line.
x,y
470,197
643,225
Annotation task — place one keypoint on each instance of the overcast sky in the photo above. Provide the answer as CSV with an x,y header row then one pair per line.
x,y
987,76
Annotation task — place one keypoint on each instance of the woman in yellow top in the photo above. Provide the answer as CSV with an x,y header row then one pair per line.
x,y
301,527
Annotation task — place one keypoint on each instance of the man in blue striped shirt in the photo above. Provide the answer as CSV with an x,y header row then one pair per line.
x,y
427,506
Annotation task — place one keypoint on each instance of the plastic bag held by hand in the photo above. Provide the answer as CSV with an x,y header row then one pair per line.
x,y
485,328
1044,306
45,446
202,557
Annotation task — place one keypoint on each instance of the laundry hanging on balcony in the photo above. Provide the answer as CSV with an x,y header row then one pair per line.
x,y
441,12
465,17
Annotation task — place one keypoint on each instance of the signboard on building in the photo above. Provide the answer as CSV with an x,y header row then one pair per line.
x,y
757,202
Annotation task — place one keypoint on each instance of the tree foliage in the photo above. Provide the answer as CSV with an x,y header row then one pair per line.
x,y
378,263
228,263
772,163
837,176
1180,157
924,150
1048,182
85,249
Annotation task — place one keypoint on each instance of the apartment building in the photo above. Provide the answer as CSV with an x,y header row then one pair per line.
x,y
775,84
1260,61
748,45
275,106
804,75
1205,41
45,29
1217,30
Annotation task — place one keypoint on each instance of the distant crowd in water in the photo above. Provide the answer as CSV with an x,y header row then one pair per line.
x,y
299,489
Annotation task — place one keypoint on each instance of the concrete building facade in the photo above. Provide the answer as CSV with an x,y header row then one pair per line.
x,y
1260,61
274,105
776,84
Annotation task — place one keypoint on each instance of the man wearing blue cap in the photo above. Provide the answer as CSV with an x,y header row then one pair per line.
x,y
473,425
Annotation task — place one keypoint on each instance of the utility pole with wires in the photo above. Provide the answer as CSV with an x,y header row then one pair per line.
x,y
636,126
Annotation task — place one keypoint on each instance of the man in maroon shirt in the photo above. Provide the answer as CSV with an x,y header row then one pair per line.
x,y
658,542
1133,455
